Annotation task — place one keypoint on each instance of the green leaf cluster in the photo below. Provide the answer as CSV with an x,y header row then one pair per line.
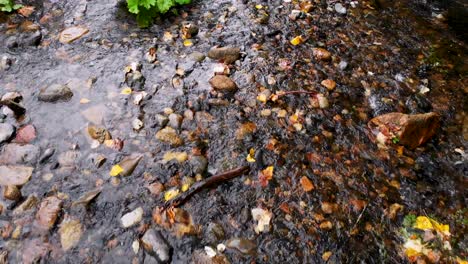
x,y
9,6
147,10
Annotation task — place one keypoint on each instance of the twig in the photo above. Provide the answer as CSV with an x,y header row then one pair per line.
x,y
208,182
296,92
359,217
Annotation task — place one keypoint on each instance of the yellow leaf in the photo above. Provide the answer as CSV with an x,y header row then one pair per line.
x,y
171,194
296,41
126,91
426,223
262,98
185,187
259,6
116,170
413,247
461,261
188,43
250,156
268,172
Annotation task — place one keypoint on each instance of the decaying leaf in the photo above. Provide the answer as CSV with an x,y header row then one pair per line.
x,y
171,194
297,40
426,223
265,176
126,91
263,218
250,157
116,170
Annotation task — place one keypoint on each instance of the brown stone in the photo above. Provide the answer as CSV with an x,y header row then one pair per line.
x,y
72,33
408,130
12,192
48,212
226,54
321,54
223,83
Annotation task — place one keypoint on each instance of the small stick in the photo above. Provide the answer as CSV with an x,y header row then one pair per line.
x,y
359,217
211,181
296,92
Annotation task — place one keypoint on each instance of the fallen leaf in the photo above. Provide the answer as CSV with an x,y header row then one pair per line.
x,y
188,43
426,223
116,170
265,175
297,40
250,157
126,91
171,194
307,185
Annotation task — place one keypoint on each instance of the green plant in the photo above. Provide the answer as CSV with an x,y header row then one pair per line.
x,y
9,5
146,10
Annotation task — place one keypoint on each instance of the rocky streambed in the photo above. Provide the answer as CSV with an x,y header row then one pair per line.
x,y
342,126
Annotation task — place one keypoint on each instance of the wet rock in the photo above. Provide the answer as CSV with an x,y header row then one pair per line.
x,y
98,160
226,54
12,100
169,135
175,120
6,132
321,54
72,33
19,154
155,244
87,197
48,212
197,56
343,65
70,233
189,30
55,93
25,134
95,114
46,155
137,124
161,120
11,192
34,250
329,84
243,245
408,130
68,159
28,204
99,133
12,42
340,9
5,63
198,164
223,83
214,233
15,175
133,76
32,38
200,257
151,55
132,218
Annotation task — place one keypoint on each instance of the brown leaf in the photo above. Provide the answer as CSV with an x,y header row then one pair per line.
x,y
307,185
